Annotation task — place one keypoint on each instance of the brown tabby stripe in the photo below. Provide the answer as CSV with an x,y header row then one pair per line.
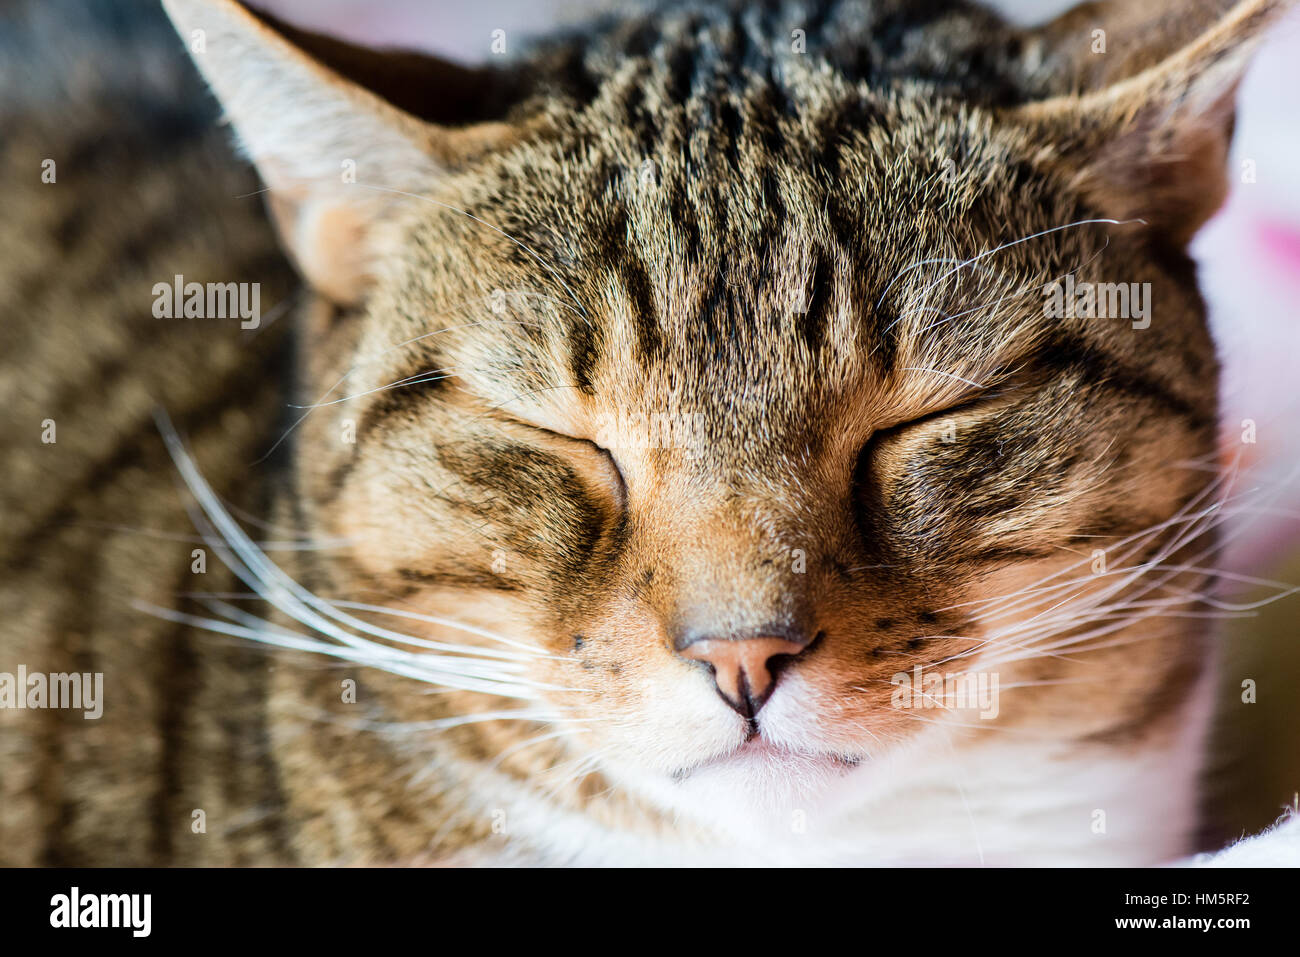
x,y
815,320
644,314
1065,351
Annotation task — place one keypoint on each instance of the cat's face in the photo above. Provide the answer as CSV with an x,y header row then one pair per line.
x,y
734,413
750,399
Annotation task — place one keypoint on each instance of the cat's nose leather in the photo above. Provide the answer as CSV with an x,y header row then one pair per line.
x,y
743,668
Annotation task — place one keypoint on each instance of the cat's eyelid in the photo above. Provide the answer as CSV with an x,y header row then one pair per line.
x,y
918,405
962,402
951,375
537,420
620,483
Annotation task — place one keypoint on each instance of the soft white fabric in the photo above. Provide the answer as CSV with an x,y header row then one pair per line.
x,y
1279,846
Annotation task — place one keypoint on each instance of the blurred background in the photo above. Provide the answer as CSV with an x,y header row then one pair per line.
x,y
1249,257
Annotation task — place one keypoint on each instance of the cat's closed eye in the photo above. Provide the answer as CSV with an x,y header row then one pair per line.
x,y
598,463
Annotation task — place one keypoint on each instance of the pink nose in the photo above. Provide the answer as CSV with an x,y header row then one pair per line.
x,y
743,668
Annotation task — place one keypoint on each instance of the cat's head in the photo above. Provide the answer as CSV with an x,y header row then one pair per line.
x,y
735,364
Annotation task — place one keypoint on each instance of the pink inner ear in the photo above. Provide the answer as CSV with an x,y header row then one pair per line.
x,y
1281,241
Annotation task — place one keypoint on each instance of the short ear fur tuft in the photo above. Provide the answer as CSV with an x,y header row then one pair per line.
x,y
335,156
1151,142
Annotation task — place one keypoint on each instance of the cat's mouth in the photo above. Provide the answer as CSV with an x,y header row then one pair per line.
x,y
759,754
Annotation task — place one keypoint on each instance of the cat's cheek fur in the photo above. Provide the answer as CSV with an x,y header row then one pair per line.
x,y
651,712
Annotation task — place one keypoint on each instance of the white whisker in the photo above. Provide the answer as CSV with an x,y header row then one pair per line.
x,y
462,667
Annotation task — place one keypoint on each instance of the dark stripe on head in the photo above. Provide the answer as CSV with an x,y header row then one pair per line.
x,y
583,341
1065,350
401,399
645,317
813,322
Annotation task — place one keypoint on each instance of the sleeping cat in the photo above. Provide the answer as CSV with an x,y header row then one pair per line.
x,y
716,436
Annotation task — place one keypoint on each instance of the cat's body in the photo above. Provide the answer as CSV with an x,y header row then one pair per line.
x,y
777,251
146,186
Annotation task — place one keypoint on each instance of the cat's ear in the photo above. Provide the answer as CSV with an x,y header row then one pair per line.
x,y
1094,45
1145,135
337,156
